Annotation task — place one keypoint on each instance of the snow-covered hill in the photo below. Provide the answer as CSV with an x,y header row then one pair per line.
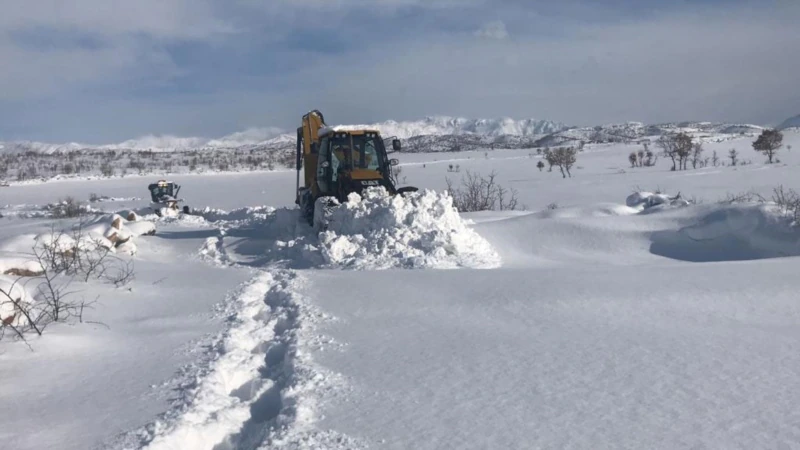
x,y
442,126
792,122
632,131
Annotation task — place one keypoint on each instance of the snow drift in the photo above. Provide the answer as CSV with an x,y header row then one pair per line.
x,y
731,233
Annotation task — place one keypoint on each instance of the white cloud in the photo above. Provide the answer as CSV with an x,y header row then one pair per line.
x,y
181,19
493,30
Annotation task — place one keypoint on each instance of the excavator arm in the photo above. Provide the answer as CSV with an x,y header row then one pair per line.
x,y
307,149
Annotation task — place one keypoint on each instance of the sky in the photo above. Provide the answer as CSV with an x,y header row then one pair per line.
x,y
101,71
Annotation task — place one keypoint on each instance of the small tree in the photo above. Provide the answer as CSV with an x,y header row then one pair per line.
x,y
768,143
550,157
683,148
540,165
733,154
632,159
667,145
565,158
697,153
715,159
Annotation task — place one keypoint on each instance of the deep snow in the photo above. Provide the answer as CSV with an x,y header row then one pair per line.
x,y
604,322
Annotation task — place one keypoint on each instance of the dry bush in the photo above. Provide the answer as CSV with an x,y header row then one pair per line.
x,y
789,202
743,197
478,193
64,258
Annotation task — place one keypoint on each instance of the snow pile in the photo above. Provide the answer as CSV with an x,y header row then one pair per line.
x,y
12,293
19,266
419,230
646,200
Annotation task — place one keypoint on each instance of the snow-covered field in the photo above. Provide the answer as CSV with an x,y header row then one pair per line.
x,y
594,323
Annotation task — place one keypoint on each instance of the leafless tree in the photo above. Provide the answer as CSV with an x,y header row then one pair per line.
x,y
633,159
678,147
697,153
668,146
733,154
549,156
565,158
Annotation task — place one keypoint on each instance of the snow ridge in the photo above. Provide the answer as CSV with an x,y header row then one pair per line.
x,y
261,386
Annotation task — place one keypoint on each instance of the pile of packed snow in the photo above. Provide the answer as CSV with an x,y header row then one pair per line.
x,y
373,231
418,230
650,201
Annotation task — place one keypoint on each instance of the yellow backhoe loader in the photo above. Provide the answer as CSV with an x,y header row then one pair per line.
x,y
336,163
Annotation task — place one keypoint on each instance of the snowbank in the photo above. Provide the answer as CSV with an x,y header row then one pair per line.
x,y
11,290
19,266
419,230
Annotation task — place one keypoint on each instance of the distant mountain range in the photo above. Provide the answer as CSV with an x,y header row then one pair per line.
x,y
439,133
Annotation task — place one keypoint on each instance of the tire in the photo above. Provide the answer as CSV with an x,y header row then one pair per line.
x,y
406,189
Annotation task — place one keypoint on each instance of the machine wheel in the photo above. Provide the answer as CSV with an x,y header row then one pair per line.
x,y
406,189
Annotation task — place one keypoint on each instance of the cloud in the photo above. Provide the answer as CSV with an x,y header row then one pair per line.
x,y
212,67
493,30
710,66
49,46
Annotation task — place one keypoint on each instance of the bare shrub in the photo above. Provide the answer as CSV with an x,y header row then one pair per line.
x,y
478,193
789,202
64,258
743,197
68,208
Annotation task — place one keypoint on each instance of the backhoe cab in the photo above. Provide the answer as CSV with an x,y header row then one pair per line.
x,y
164,198
338,162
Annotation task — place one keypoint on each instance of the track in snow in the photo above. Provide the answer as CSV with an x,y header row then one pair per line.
x,y
261,387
